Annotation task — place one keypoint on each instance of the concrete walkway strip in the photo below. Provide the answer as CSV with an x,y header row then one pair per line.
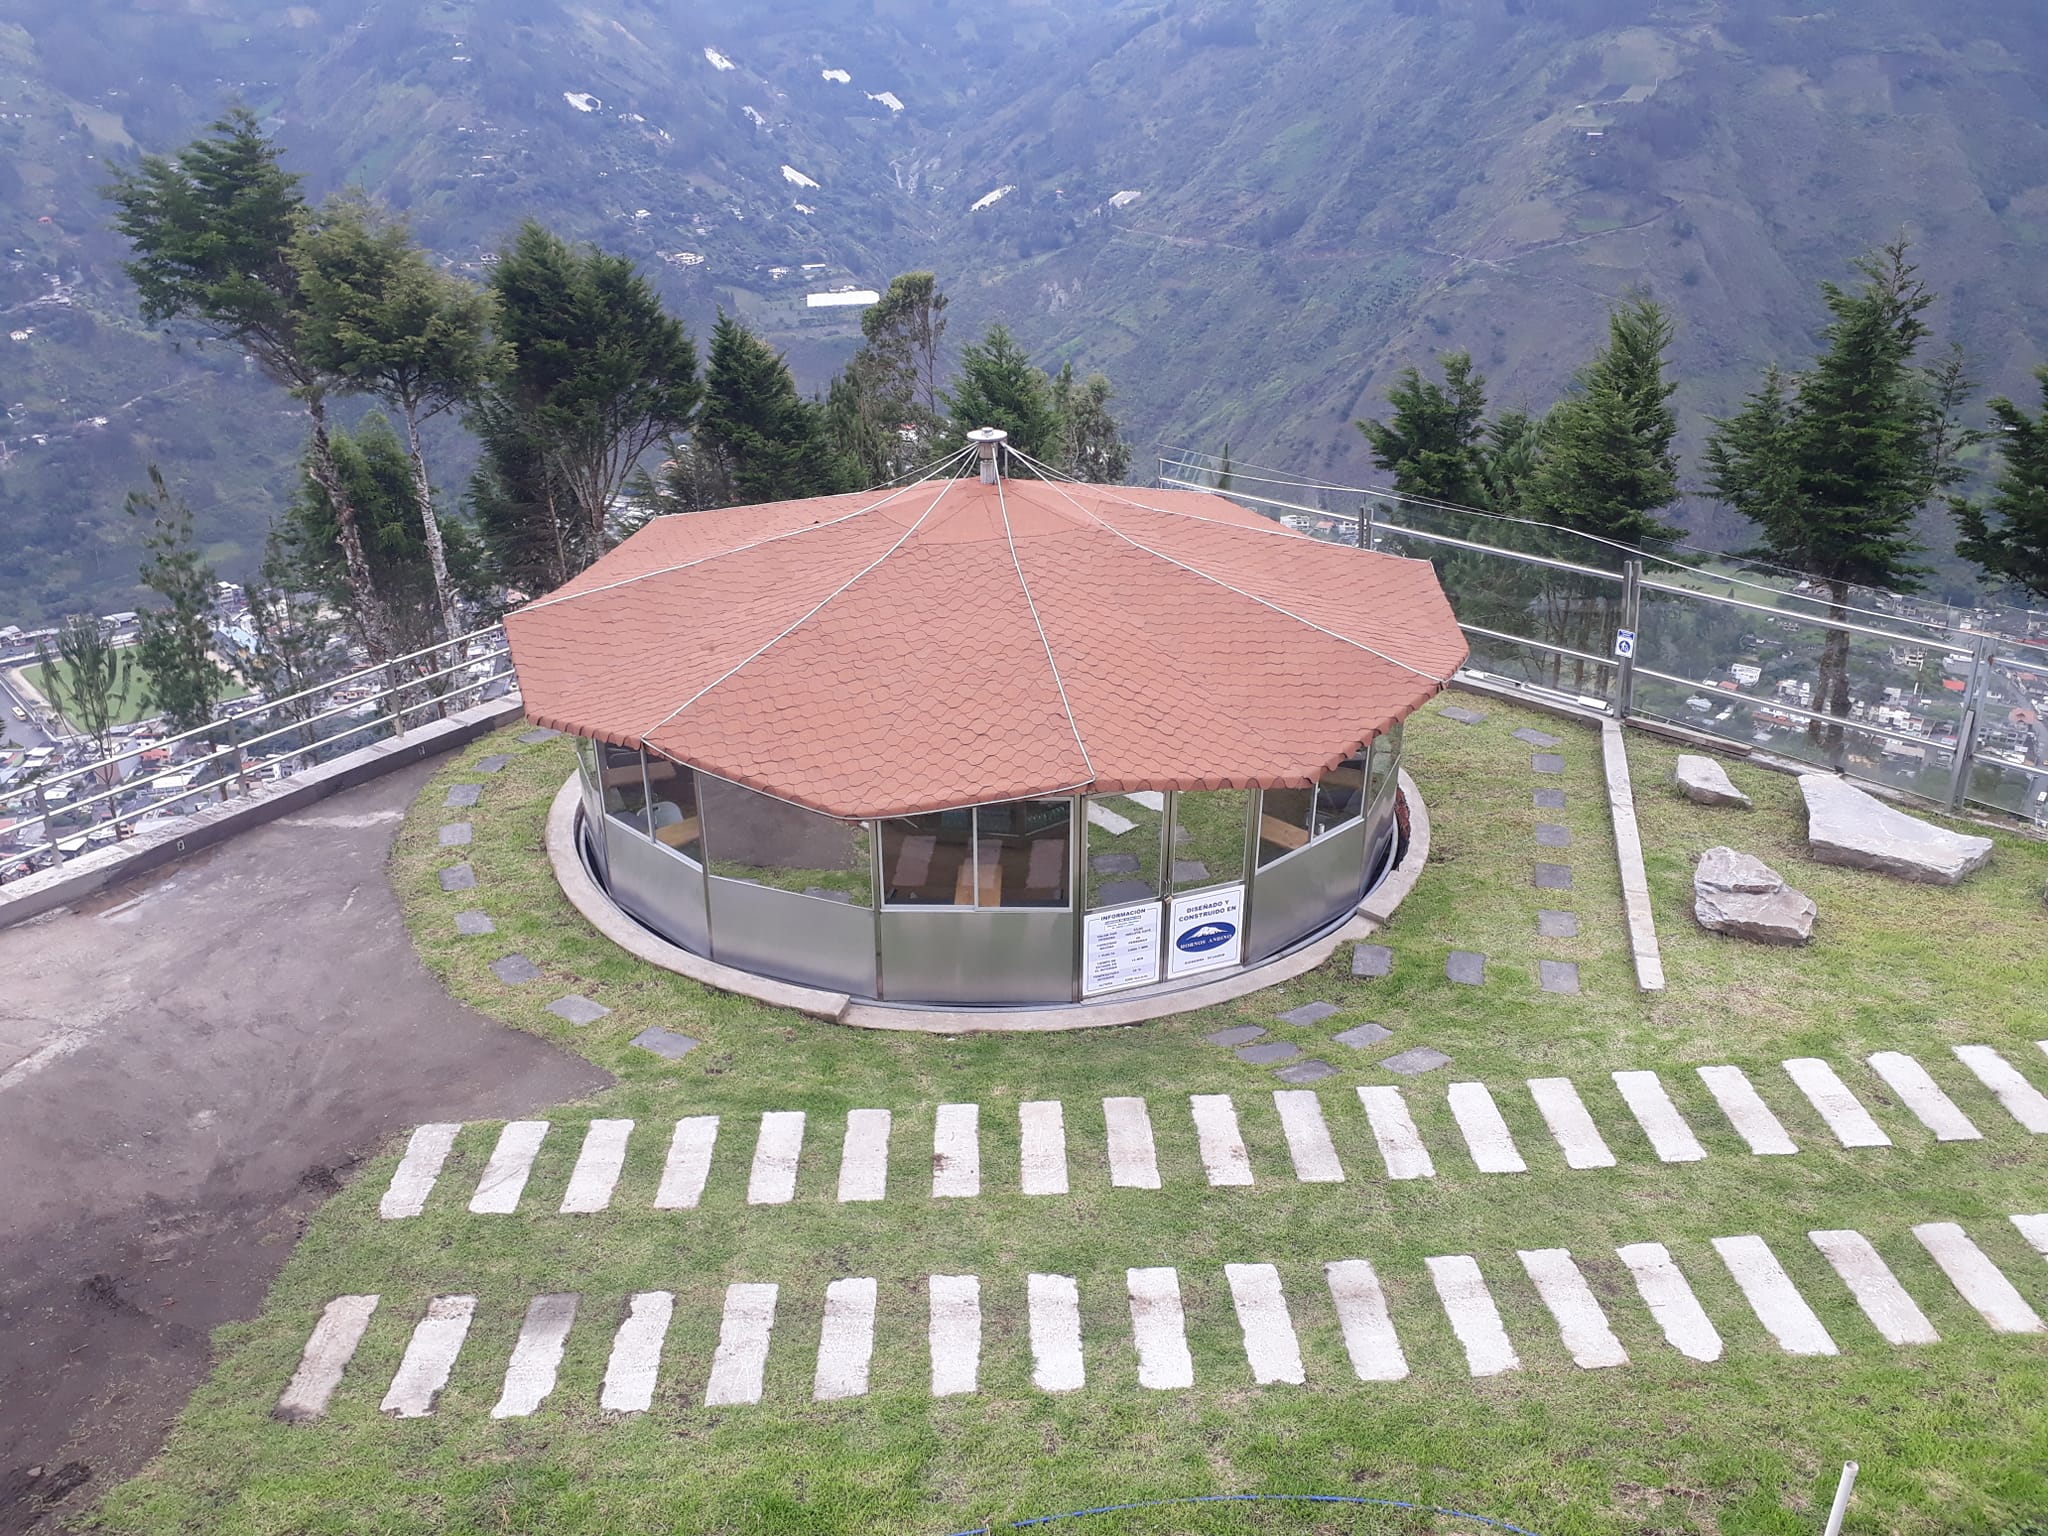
x,y
1918,1091
505,1175
1223,1153
1982,1284
429,1357
1270,1346
1565,1113
2035,1230
1055,1304
1895,1315
413,1179
954,1334
1393,1128
847,1342
1747,1112
688,1165
1580,1322
1628,848
1133,1161
1308,1137
2022,1100
1844,1113
777,1150
1772,1296
598,1167
329,1348
1670,1137
1369,1336
537,1358
864,1156
635,1362
1042,1126
1485,1132
1664,1290
741,1359
1473,1316
1159,1329
956,1152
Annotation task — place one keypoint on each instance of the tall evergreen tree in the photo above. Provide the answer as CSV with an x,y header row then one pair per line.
x,y
1225,477
87,679
997,386
764,440
1091,447
185,682
1434,443
2009,537
906,334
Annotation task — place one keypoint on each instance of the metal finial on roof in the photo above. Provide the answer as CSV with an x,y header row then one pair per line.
x,y
986,440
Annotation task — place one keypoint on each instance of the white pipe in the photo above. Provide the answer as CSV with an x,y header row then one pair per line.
x,y
1842,1492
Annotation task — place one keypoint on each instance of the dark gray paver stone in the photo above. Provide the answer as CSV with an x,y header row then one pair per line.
x,y
1558,975
1114,863
1423,1058
1553,877
1116,891
1308,1014
577,1009
1549,799
1188,871
458,877
495,763
1547,762
537,735
665,1042
1466,967
1538,738
1310,1071
462,796
456,835
1372,960
515,970
1237,1034
1359,1036
1182,836
474,922
1557,925
1550,835
821,891
1462,715
1268,1052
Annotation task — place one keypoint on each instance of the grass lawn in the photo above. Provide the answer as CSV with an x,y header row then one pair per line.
x,y
135,703
1952,1436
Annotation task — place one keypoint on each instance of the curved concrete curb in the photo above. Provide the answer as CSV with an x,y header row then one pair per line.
x,y
588,898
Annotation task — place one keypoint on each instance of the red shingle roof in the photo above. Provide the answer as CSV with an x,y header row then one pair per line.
x,y
955,643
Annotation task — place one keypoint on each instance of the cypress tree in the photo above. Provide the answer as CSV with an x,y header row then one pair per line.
x,y
997,386
1433,445
175,647
2009,538
767,441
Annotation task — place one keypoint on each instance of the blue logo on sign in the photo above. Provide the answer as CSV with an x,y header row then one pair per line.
x,y
1208,936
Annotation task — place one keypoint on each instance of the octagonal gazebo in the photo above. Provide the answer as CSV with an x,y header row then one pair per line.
x,y
987,743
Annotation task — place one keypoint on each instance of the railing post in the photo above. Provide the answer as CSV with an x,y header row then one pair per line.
x,y
1631,620
1966,727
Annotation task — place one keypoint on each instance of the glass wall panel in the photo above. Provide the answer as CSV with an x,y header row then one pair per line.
x,y
672,807
1124,836
1283,823
624,785
928,861
1208,837
1340,795
759,838
1023,851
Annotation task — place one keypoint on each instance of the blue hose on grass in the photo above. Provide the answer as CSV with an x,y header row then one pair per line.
x,y
1252,1498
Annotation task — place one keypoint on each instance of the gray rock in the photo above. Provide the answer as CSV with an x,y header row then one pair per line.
x,y
1466,967
1549,799
1723,869
1704,781
1189,871
665,1042
515,970
1557,925
1462,715
1268,1052
1115,892
1745,898
1310,1071
462,796
456,834
1547,762
1558,975
1114,863
1372,960
1550,835
1422,1058
1308,1014
1236,1035
1359,1036
537,735
1553,877
474,922
1538,738
1847,826
458,877
495,763
577,1009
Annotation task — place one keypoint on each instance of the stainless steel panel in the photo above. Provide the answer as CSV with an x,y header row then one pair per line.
x,y
990,955
808,939
661,888
1307,890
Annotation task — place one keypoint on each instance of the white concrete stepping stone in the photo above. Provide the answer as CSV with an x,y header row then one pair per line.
x,y
2022,1100
1982,1284
688,1165
1102,816
846,1344
1468,1304
1055,1305
1393,1129
1151,799
1772,1296
635,1362
864,1156
777,1149
1580,1322
740,1360
2035,1230
598,1167
954,1334
1894,1314
1133,1161
329,1348
505,1175
413,1179
429,1357
1270,1346
1485,1132
1747,1112
1042,1128
1369,1336
1918,1091
1845,1115
1670,1137
956,1152
1159,1329
536,1360
1224,1157
1565,1113
1308,1137
1665,1291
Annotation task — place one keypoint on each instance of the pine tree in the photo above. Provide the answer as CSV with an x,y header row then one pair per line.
x,y
2009,537
997,386
1434,444
766,442
175,647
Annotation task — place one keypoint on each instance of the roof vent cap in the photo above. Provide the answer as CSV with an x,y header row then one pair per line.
x,y
986,439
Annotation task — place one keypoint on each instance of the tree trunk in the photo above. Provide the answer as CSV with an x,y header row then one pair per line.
x,y
362,585
1831,691
437,551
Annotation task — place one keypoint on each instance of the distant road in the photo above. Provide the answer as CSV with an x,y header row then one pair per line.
x,y
13,732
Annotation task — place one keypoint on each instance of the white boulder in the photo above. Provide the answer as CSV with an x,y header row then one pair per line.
x,y
1745,898
1846,826
1704,781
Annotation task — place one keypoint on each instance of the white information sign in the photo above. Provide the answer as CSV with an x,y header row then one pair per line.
x,y
1119,949
1205,931
1624,643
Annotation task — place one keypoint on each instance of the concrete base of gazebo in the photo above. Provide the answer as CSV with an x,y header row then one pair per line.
x,y
598,908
